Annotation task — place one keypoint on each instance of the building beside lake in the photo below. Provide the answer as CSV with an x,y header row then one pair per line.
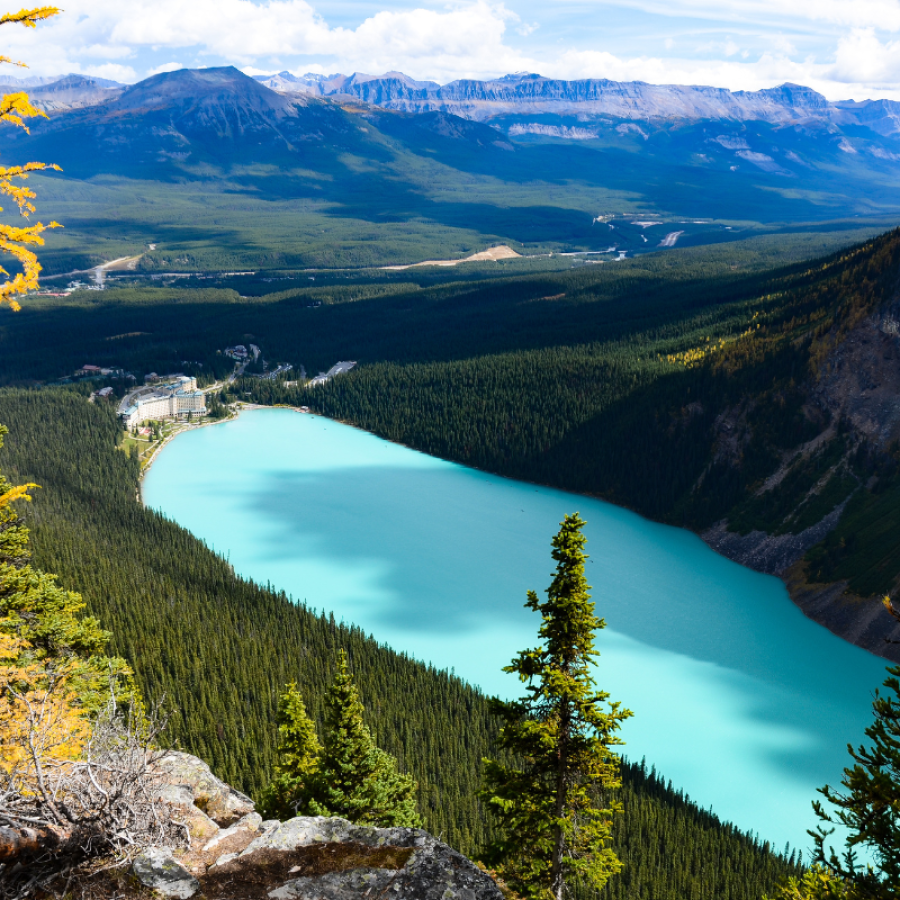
x,y
177,399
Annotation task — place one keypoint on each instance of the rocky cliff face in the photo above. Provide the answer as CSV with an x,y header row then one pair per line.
x,y
233,853
858,385
593,97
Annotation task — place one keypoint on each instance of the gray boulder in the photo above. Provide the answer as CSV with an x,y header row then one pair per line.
x,y
307,831
331,859
158,870
181,797
236,838
338,885
221,802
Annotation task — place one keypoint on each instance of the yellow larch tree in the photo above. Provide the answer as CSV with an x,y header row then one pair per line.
x,y
16,241
42,722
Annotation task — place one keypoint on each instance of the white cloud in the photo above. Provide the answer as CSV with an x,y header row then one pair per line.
x,y
853,55
463,39
173,67
106,51
882,14
862,57
112,71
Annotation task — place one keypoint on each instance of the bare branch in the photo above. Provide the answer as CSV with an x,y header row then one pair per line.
x,y
60,818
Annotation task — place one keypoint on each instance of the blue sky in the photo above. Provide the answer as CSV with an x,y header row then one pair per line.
x,y
844,48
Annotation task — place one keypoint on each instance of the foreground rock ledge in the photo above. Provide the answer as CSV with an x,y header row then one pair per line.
x,y
323,859
234,854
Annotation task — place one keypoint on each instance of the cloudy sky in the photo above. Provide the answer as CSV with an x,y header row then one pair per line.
x,y
843,48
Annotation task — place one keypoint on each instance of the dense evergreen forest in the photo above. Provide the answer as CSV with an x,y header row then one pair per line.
x,y
414,316
220,649
617,380
645,418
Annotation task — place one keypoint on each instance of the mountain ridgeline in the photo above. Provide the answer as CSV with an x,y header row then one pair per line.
x,y
209,169
592,97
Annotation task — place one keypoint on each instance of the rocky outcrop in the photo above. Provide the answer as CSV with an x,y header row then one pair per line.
x,y
860,620
861,379
531,93
218,801
305,858
158,870
770,553
858,385
317,858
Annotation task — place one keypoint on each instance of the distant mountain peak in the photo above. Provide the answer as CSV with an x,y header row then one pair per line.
x,y
520,76
72,78
196,86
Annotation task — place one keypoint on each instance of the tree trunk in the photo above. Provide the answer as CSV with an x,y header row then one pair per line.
x,y
19,843
558,884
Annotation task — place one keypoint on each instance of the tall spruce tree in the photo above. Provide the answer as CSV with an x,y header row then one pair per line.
x,y
357,780
555,811
298,759
868,807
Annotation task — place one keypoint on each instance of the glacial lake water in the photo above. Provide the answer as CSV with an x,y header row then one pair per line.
x,y
738,698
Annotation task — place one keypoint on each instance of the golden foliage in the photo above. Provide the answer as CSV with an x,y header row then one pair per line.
x,y
15,108
817,883
693,356
30,17
42,724
20,492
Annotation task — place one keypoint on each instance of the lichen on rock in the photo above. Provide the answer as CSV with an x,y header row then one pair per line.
x,y
158,869
304,858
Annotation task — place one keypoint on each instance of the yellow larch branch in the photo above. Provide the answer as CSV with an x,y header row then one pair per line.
x,y
20,492
30,17
14,109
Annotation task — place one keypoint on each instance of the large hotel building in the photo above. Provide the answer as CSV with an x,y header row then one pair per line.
x,y
174,400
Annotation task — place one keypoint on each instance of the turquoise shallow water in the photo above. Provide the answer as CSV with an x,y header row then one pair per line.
x,y
738,698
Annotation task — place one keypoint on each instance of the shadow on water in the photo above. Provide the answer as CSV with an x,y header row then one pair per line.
x,y
722,671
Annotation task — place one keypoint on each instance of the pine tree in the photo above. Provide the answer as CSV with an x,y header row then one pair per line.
x,y
42,620
356,779
298,759
868,807
555,812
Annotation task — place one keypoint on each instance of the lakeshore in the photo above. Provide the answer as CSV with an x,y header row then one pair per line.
x,y
434,559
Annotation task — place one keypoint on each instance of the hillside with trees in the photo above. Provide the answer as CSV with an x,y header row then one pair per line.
x,y
220,649
744,391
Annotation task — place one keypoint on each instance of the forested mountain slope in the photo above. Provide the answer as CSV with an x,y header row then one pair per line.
x,y
771,423
703,388
199,170
220,649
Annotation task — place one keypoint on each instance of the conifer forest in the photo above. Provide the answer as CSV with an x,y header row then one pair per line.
x,y
683,301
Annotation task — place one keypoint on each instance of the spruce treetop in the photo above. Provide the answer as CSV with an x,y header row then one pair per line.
x,y
556,808
357,779
298,758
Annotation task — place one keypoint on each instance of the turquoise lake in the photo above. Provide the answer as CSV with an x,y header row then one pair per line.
x,y
738,698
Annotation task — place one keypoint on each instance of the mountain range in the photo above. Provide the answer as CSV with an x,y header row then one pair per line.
x,y
391,170
522,93
219,112
593,97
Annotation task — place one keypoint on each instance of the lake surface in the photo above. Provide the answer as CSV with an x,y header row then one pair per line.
x,y
738,698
